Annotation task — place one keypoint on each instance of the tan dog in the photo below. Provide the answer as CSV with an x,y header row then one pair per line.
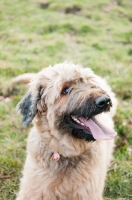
x,y
68,148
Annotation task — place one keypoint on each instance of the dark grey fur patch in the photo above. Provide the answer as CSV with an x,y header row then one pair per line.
x,y
28,108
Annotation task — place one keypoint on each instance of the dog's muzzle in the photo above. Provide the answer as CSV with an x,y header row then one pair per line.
x,y
82,122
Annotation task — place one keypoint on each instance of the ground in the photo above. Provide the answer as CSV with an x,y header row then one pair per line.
x,y
36,33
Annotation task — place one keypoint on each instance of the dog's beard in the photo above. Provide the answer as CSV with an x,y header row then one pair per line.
x,y
82,124
66,125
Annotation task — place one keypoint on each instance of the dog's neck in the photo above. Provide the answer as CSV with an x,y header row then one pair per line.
x,y
55,156
59,145
43,151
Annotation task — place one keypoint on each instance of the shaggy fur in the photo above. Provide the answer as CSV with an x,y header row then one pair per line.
x,y
55,94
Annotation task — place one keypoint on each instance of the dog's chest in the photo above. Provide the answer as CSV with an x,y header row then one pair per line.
x,y
69,179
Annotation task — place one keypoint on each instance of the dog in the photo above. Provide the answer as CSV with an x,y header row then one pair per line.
x,y
70,146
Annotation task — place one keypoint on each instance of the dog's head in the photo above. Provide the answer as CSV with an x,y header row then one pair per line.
x,y
65,99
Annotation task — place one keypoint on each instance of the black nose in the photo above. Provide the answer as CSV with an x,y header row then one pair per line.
x,y
102,102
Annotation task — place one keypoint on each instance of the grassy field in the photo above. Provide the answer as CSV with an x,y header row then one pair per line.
x,y
34,34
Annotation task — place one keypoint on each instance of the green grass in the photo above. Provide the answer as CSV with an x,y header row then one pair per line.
x,y
36,33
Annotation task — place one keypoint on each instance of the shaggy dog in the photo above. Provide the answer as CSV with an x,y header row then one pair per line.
x,y
70,145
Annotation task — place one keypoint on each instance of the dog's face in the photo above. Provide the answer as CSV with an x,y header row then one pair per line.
x,y
66,98
82,100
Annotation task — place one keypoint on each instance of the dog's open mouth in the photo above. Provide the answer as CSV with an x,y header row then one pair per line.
x,y
94,127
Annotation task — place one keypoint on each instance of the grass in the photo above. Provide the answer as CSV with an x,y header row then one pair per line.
x,y
34,34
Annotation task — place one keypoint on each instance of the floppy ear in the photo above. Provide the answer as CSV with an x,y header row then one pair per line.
x,y
28,106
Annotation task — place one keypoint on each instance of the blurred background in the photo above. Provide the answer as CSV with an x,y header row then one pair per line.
x,y
37,33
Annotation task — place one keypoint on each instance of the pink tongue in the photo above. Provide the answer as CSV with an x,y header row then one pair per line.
x,y
99,131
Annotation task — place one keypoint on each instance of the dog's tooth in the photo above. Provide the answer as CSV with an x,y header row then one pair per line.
x,y
76,120
82,124
72,117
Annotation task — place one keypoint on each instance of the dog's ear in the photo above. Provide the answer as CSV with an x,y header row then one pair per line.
x,y
28,105
28,108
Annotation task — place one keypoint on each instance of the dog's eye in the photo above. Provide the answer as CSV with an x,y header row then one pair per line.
x,y
65,90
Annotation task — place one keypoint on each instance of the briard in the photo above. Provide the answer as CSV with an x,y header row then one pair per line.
x,y
70,145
